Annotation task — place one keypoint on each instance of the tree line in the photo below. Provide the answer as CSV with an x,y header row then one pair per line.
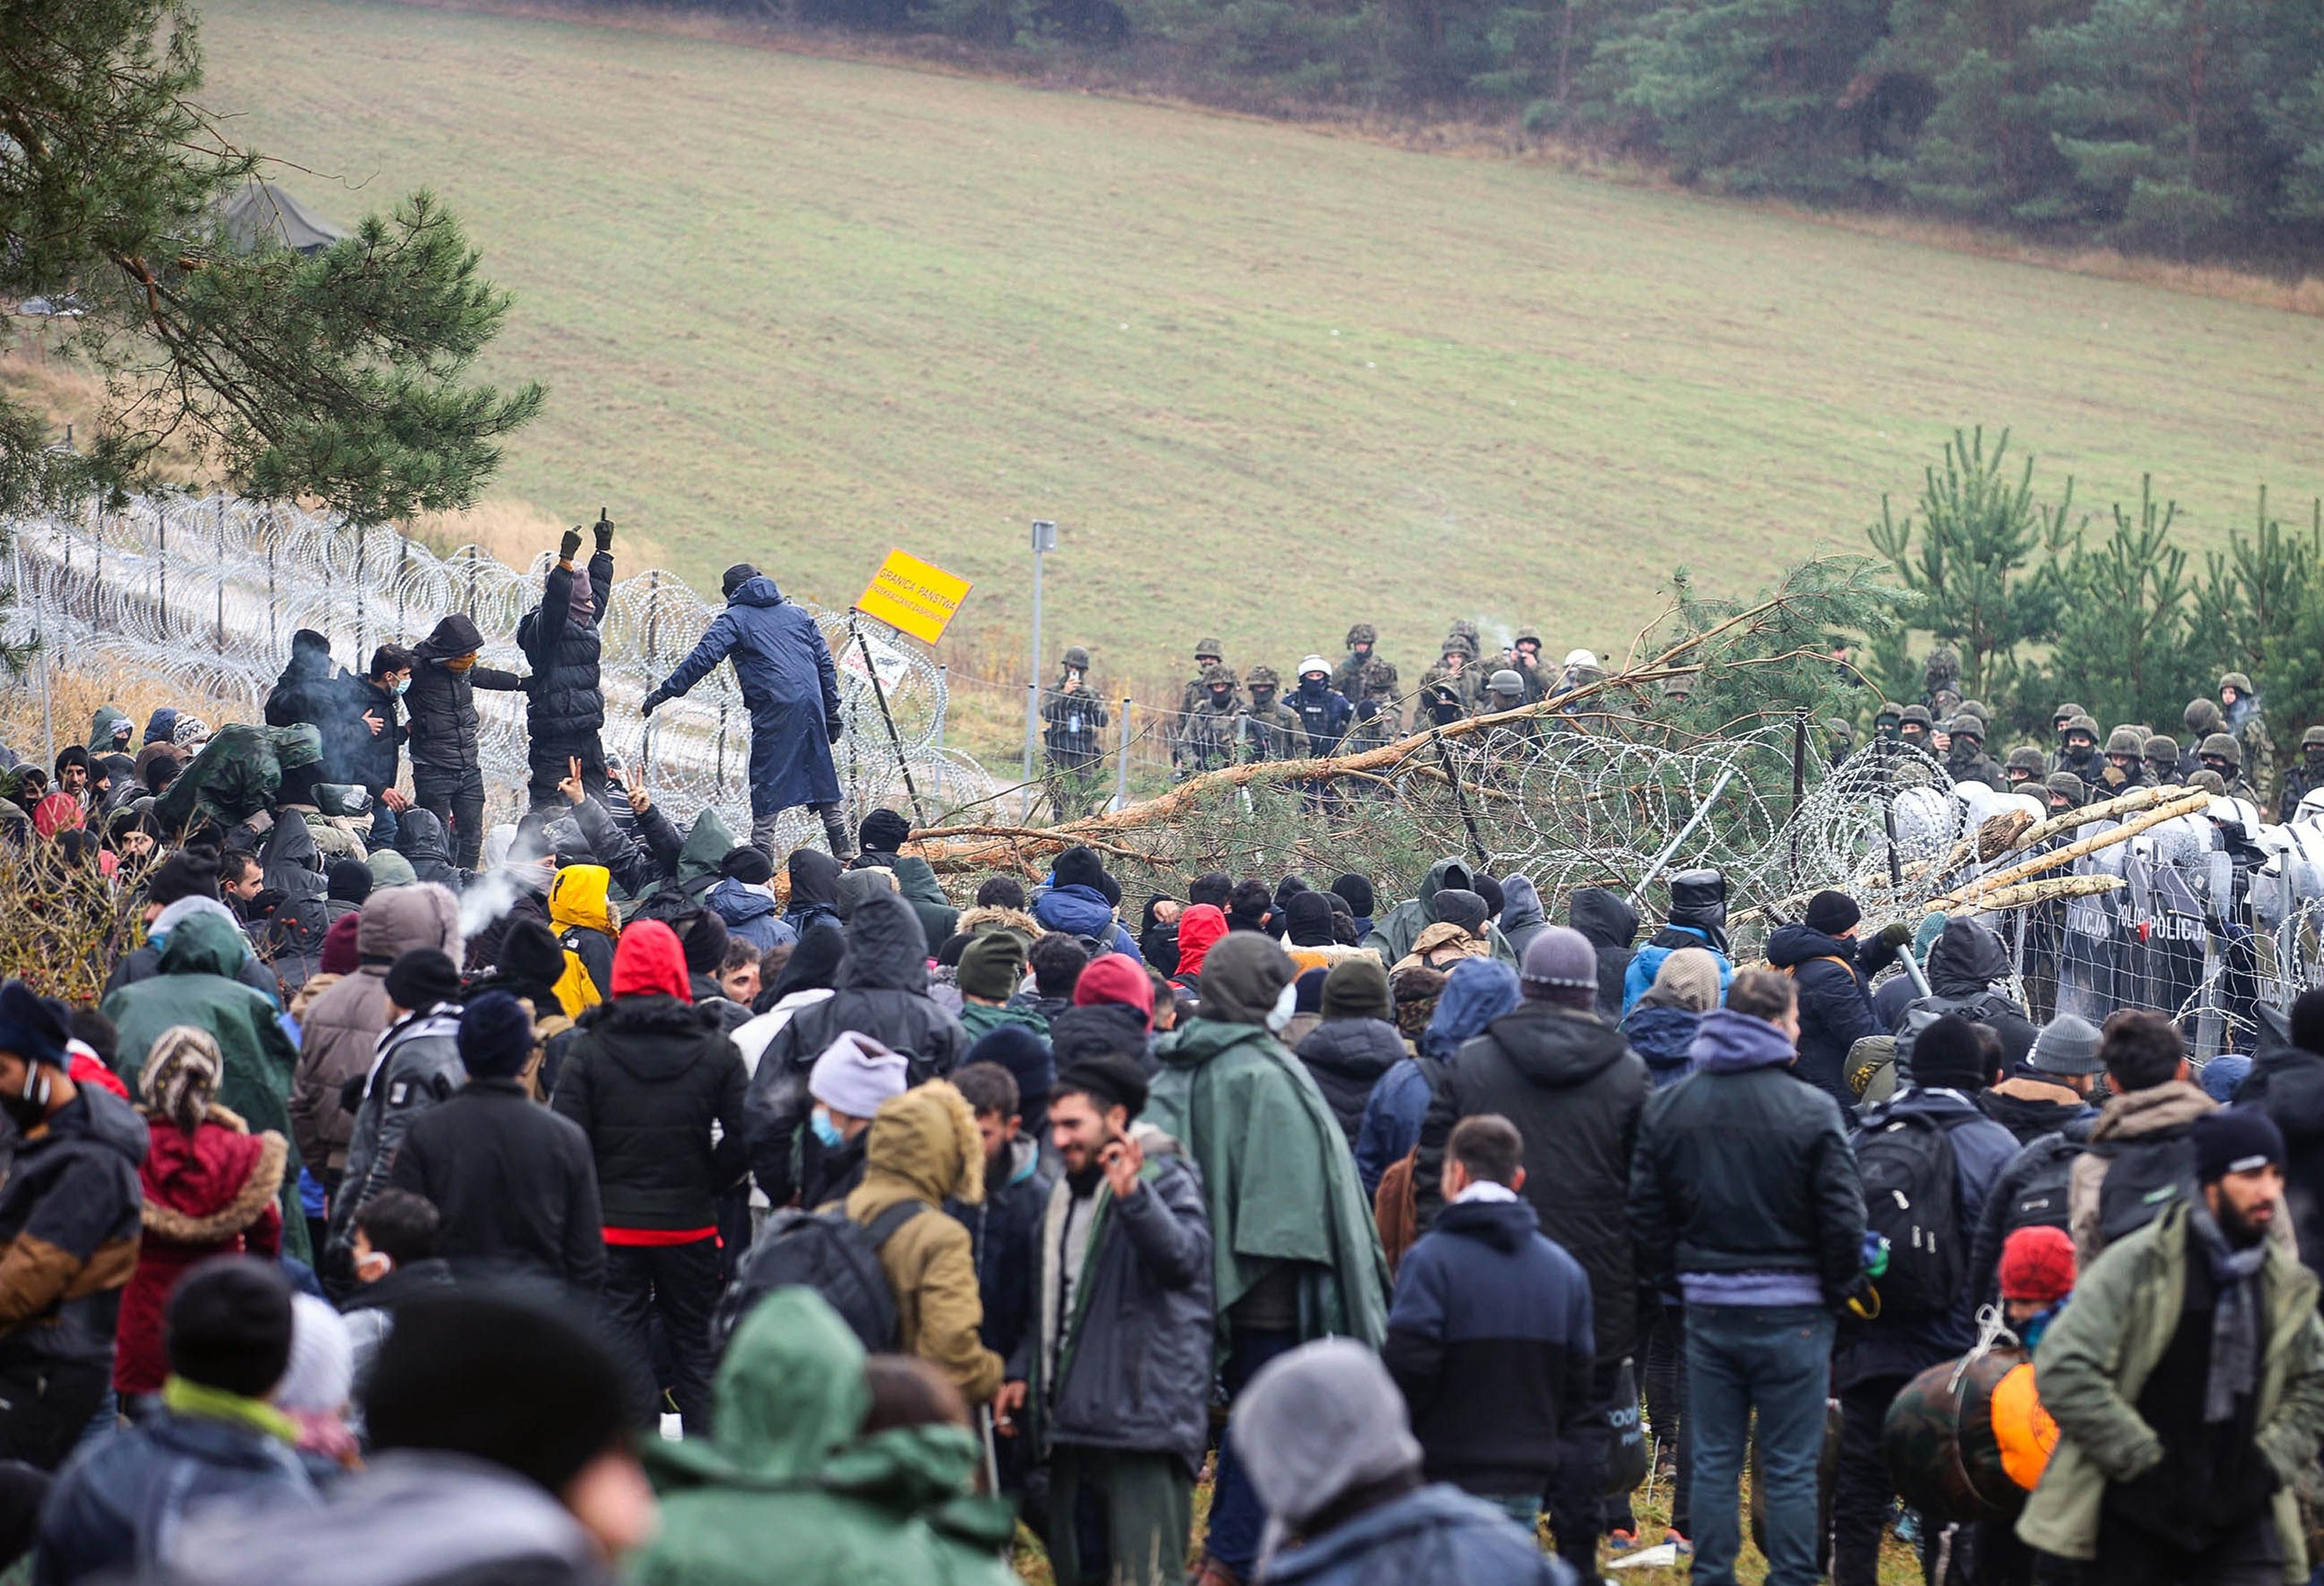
x,y
2046,602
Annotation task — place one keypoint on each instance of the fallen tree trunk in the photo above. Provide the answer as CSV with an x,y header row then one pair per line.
x,y
2070,851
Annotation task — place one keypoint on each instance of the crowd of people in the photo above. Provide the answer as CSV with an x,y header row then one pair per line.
x,y
572,1201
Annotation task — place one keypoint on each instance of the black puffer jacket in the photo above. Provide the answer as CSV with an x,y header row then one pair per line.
x,y
365,759
883,992
2287,1083
1347,1057
1575,1090
568,705
1835,1008
308,689
1966,963
645,1079
1612,927
1077,1033
442,704
419,838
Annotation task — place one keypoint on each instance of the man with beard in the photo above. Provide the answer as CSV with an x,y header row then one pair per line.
x,y
2186,1381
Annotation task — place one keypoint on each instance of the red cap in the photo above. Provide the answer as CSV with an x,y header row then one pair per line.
x,y
2037,1264
649,959
1200,928
1116,977
340,955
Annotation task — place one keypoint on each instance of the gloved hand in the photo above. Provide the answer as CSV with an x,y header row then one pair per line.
x,y
603,529
1896,933
654,701
832,729
570,546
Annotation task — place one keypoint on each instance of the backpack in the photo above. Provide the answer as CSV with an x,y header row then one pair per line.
x,y
831,1253
2143,1176
1910,1197
1981,1008
2042,1201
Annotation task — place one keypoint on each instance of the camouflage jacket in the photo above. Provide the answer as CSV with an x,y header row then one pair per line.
x,y
1209,739
1275,733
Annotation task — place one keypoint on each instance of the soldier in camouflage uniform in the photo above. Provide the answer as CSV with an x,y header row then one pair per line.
x,y
2025,770
1887,722
1455,666
1209,734
1274,730
2247,720
2304,778
2078,752
1379,715
1940,677
1074,716
2223,757
1504,690
2060,720
1918,728
1348,676
2125,754
1966,760
2162,757
1206,656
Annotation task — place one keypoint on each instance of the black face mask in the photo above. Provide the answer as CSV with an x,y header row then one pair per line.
x,y
28,1111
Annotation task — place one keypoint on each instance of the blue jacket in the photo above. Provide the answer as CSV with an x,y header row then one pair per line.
x,y
1982,1149
749,913
1391,1121
1663,1034
1435,1533
1082,911
119,1503
1647,962
785,671
1491,1341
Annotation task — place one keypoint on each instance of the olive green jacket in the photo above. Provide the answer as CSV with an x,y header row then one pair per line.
x,y
2096,1358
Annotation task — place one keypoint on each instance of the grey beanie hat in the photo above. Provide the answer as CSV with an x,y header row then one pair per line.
x,y
1560,959
2066,1046
1316,1425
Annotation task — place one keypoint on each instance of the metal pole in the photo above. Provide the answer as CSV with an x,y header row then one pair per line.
x,y
943,698
1121,760
880,693
654,631
1799,781
1694,821
1033,688
361,573
161,564
220,641
273,643
1460,799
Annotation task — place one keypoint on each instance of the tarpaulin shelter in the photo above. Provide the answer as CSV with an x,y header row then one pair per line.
x,y
262,210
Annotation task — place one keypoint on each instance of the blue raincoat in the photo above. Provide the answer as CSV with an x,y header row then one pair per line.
x,y
791,686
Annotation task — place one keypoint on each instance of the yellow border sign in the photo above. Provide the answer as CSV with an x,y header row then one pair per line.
x,y
913,597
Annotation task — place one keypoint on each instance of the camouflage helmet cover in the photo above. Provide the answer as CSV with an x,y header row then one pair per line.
x,y
1964,725
2221,746
2240,682
1210,647
1362,633
1506,681
1916,715
2066,713
1077,657
2127,741
2067,786
1264,677
2027,758
1379,678
1971,707
2312,739
2162,749
2201,717
2086,726
1889,711
1216,673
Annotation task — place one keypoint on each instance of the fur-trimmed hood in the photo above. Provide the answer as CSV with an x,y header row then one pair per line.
x,y
205,1187
975,922
928,1139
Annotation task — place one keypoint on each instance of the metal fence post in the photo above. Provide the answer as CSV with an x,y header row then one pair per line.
x,y
1122,759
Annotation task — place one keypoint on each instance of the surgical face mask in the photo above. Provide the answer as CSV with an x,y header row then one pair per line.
x,y
1285,1006
826,1131
402,686
374,1267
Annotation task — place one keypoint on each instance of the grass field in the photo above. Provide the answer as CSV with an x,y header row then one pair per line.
x,y
1269,380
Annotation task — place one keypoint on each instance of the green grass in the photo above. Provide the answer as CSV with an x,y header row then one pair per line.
x,y
1269,379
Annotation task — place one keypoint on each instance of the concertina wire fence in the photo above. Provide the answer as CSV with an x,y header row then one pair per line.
x,y
2215,914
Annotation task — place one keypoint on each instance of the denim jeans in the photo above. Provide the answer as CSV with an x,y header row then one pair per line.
x,y
1236,1518
1777,1360
384,827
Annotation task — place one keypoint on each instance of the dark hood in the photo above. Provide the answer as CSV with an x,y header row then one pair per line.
x,y
97,1114
814,878
1076,1033
1359,1050
2292,1092
1444,875
1731,1043
1557,1050
1503,1225
1604,918
1966,959
887,950
454,635
646,1036
1796,944
2028,1117
760,591
419,838
1521,906
1242,976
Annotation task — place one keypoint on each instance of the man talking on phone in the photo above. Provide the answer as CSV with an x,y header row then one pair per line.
x,y
1122,1351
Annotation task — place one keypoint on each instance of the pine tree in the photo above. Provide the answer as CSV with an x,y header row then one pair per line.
x,y
342,376
2123,624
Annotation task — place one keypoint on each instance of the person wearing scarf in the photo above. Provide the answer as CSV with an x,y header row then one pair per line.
x,y
2187,1379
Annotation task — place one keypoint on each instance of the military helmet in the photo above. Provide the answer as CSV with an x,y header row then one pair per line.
x,y
1889,711
2211,782
2312,739
2161,751
1506,681
2066,713
1362,633
2240,683
1468,630
1379,678
1916,715
2203,716
2085,724
1264,677
1526,636
1210,647
1077,659
2221,746
2127,741
2067,786
1971,707
1216,673
1967,726
2028,759
1457,640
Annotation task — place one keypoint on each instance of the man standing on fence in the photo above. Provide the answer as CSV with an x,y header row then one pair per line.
x,y
792,690
561,639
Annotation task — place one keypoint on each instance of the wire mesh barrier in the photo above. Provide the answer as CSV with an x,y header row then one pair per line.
x,y
205,594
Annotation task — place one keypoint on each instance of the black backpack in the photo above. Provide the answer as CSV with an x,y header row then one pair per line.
x,y
1911,1197
831,1253
2143,1176
2042,1201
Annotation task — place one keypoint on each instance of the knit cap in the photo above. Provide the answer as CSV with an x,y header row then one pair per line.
x,y
2037,1265
321,1376
422,978
229,1326
1559,961
855,1074
1833,913
2235,1139
1357,988
992,966
495,1037
2066,1046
